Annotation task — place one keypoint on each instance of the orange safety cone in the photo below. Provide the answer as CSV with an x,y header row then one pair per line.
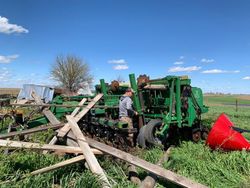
x,y
223,135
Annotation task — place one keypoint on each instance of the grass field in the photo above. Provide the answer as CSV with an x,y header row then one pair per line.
x,y
240,117
243,100
196,161
9,91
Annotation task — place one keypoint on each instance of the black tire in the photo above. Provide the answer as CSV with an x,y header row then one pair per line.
x,y
196,135
204,133
141,141
150,129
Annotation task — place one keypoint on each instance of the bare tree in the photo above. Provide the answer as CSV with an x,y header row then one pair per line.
x,y
69,71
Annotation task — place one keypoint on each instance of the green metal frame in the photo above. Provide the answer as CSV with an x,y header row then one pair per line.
x,y
165,104
136,100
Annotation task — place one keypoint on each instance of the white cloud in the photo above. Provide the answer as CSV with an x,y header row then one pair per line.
x,y
204,60
40,80
213,71
8,28
5,74
117,61
8,59
119,64
184,69
246,78
8,78
218,71
178,63
120,67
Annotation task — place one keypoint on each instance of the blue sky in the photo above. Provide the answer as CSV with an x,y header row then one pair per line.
x,y
207,40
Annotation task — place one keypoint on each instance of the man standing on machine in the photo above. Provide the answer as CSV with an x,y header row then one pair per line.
x,y
126,111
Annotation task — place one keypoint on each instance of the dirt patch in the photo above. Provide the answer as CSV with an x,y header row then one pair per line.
x,y
243,97
9,91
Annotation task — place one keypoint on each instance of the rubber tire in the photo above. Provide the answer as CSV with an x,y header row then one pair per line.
x,y
150,129
204,133
141,141
197,132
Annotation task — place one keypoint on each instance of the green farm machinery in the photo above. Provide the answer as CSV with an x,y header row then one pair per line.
x,y
168,108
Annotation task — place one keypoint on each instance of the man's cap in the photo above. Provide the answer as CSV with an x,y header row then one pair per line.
x,y
130,90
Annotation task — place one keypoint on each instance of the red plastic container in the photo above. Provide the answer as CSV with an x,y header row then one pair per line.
x,y
224,137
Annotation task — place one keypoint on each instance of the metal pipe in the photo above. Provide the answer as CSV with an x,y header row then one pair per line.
x,y
171,101
135,96
60,105
103,87
154,115
178,101
136,99
155,87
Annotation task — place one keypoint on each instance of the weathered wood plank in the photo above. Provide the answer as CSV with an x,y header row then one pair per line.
x,y
60,105
30,131
88,154
58,165
30,145
54,139
80,105
47,105
78,108
88,107
49,115
64,130
70,142
155,169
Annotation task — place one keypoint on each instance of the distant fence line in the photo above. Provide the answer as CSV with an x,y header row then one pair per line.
x,y
9,91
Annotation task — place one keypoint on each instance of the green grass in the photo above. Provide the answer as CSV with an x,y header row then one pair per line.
x,y
241,118
195,161
215,168
225,99
17,166
200,163
212,168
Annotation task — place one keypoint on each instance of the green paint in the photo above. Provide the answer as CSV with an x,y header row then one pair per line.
x,y
103,87
136,100
178,101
